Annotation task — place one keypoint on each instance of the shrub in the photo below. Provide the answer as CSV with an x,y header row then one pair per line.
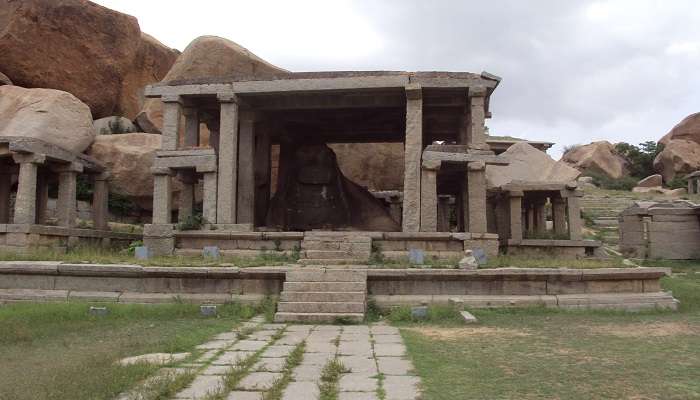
x,y
641,157
605,182
678,182
192,223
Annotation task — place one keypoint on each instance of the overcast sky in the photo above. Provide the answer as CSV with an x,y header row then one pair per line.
x,y
573,71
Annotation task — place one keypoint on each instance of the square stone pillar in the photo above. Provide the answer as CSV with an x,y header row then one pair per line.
x,y
25,202
263,172
228,160
209,198
246,169
443,222
162,195
476,188
186,200
477,118
413,151
516,215
172,108
67,192
559,215
530,210
5,190
428,198
100,201
42,196
191,138
573,210
539,207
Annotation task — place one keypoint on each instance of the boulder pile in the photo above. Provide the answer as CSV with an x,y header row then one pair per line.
x,y
681,153
597,157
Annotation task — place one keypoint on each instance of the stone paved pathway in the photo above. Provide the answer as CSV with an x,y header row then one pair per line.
x,y
374,356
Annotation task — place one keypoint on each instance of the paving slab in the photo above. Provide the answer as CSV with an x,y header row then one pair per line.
x,y
276,351
389,350
226,336
272,327
307,373
358,383
258,381
394,366
207,355
387,339
355,348
357,396
232,357
291,340
240,395
301,391
216,370
359,364
317,358
299,328
356,329
270,365
354,337
320,347
201,387
215,345
249,345
401,387
383,330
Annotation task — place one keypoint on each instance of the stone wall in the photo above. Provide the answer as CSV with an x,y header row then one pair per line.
x,y
661,231
20,238
629,289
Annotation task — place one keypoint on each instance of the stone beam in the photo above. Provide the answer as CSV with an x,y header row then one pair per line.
x,y
489,159
413,150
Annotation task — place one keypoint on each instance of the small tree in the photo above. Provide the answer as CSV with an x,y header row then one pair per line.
x,y
641,158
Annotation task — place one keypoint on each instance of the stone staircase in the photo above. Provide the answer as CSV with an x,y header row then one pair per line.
x,y
604,209
335,248
313,295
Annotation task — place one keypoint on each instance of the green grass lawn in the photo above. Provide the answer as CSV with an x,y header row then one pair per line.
x,y
58,351
549,354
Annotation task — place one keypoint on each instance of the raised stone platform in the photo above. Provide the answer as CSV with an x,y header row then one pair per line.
x,y
623,288
25,237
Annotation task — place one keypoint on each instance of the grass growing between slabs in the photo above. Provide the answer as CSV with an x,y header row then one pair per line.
x,y
541,353
58,351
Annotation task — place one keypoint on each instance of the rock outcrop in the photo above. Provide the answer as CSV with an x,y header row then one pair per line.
x,y
129,157
681,153
598,157
314,194
529,164
4,80
207,57
97,54
651,181
53,116
678,157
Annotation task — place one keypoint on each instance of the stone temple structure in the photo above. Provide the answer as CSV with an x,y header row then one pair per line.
x,y
438,116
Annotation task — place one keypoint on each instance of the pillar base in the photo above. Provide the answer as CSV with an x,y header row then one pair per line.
x,y
159,238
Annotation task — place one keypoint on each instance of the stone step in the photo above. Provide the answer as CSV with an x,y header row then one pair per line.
x,y
325,286
318,275
321,307
318,317
333,261
355,297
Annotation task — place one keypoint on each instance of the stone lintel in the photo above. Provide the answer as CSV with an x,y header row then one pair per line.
x,y
227,97
70,167
186,152
515,193
162,171
206,163
477,91
464,158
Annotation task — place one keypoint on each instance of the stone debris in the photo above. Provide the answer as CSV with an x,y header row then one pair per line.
x,y
468,317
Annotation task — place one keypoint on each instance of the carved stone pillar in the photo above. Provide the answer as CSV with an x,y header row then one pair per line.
x,y
162,196
573,210
100,201
477,118
246,169
476,187
209,198
516,216
191,138
186,200
559,215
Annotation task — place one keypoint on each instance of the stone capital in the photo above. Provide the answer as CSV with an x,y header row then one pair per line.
x,y
516,193
227,98
476,166
414,91
103,176
171,98
22,158
433,165
477,91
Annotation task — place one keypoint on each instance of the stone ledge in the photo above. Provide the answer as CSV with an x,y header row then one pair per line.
x,y
29,267
554,243
523,274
